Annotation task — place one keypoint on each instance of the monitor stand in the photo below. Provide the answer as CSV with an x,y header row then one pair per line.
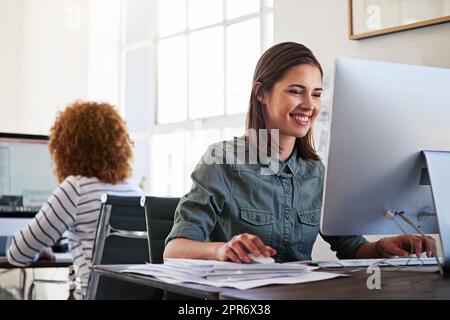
x,y
438,164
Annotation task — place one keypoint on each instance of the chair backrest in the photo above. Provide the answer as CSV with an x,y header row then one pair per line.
x,y
121,233
159,214
121,238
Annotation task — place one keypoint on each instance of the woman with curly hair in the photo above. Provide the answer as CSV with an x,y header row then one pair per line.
x,y
92,152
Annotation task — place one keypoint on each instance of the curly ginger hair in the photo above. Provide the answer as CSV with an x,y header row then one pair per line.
x,y
90,139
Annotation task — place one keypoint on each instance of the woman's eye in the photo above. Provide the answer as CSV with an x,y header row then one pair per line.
x,y
317,95
296,91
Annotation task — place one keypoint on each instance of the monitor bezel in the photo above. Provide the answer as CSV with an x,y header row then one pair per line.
x,y
10,135
20,136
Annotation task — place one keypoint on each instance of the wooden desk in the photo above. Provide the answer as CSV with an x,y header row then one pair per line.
x,y
59,263
394,285
402,285
188,289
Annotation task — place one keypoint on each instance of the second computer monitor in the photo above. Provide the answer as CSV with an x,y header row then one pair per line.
x,y
26,179
383,116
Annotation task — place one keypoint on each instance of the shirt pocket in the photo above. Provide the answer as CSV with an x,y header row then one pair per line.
x,y
309,217
258,222
309,225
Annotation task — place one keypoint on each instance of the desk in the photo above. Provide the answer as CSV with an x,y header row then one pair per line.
x,y
394,285
62,261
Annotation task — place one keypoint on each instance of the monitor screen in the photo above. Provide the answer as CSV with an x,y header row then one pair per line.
x,y
383,115
26,175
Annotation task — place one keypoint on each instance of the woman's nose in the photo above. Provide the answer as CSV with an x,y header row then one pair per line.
x,y
308,103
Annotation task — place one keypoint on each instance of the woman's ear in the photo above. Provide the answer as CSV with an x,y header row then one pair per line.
x,y
259,92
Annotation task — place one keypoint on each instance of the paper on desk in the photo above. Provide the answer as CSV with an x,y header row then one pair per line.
x,y
219,275
198,265
165,271
249,284
171,275
251,276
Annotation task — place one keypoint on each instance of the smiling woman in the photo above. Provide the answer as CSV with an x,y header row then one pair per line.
x,y
268,208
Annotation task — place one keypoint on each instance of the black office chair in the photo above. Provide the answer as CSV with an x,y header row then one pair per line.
x,y
121,238
159,213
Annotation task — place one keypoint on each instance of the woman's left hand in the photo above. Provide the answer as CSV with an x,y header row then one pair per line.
x,y
401,246
47,254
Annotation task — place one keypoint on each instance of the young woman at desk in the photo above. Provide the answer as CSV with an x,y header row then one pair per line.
x,y
277,214
92,152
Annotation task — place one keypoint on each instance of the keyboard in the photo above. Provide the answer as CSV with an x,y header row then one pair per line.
x,y
391,262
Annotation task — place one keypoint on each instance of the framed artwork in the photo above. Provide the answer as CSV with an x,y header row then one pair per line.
x,y
370,18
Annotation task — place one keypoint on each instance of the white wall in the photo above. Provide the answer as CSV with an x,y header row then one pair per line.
x,y
54,60
52,53
9,63
323,27
104,51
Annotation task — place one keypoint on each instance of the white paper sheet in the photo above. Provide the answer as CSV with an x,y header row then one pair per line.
x,y
214,265
168,274
244,285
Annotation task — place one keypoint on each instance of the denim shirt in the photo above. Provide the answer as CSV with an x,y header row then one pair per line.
x,y
282,208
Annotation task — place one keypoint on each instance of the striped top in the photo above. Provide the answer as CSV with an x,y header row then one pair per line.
x,y
73,208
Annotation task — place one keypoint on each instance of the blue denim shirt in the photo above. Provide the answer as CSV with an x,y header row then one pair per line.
x,y
282,208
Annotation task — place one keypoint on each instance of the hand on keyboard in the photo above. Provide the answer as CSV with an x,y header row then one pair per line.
x,y
352,263
404,245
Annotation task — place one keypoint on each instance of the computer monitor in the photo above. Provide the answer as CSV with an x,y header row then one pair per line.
x,y
26,179
383,116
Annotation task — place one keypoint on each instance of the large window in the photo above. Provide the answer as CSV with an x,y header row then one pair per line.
x,y
188,67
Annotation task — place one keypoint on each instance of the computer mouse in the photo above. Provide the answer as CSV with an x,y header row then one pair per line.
x,y
261,259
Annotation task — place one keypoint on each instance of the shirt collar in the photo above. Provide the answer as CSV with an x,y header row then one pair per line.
x,y
278,167
293,163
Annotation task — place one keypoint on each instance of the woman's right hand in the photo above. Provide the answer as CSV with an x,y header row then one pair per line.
x,y
240,246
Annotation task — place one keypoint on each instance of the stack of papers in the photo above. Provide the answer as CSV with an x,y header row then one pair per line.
x,y
229,274
228,271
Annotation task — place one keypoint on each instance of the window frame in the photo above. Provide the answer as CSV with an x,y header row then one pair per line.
x,y
221,122
225,119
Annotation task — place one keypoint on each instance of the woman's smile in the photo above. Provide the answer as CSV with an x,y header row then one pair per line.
x,y
300,119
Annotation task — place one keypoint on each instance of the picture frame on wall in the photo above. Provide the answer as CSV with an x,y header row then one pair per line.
x,y
370,18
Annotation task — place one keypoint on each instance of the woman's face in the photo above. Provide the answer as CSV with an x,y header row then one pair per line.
x,y
294,102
